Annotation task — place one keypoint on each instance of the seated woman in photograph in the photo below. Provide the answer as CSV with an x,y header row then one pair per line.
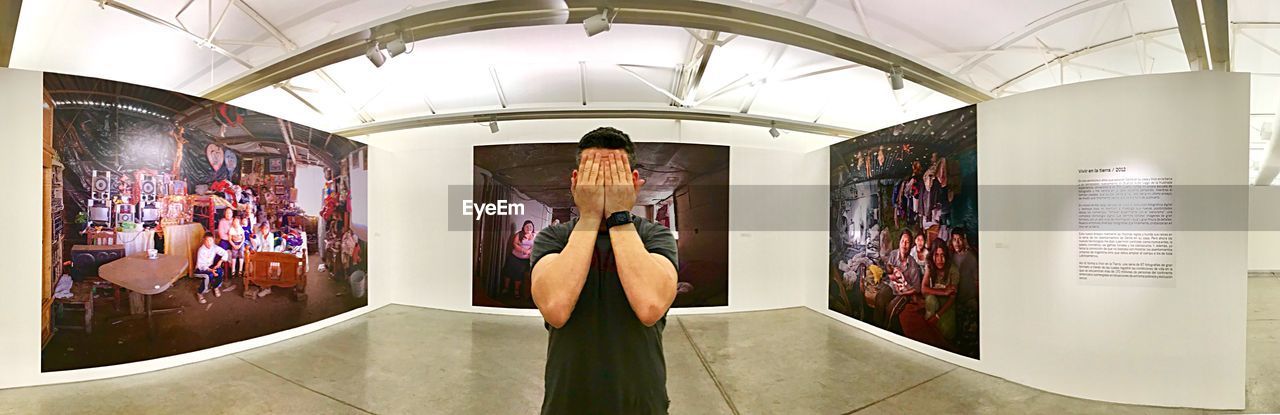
x,y
517,267
224,227
209,270
939,288
902,284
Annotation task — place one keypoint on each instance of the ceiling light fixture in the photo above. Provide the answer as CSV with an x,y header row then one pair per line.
x,y
375,55
396,46
895,77
598,23
773,129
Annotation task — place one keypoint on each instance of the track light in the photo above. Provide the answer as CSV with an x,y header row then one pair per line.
x,y
597,24
375,55
396,46
773,129
895,77
493,127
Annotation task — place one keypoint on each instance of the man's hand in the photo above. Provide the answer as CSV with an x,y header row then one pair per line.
x,y
620,184
588,188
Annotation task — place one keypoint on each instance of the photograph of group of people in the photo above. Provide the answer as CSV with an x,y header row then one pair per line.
x,y
904,230
174,223
686,189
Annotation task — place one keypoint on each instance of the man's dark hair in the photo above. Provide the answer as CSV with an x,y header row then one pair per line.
x,y
610,138
208,234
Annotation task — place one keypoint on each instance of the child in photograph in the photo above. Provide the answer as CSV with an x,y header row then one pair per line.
x,y
209,268
236,246
224,227
264,240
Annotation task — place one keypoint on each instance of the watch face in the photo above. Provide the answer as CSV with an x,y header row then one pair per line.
x,y
619,218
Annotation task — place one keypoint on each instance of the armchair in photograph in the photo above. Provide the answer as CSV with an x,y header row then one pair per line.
x,y
277,269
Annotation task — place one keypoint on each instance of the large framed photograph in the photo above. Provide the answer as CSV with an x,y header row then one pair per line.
x,y
904,230
686,190
104,152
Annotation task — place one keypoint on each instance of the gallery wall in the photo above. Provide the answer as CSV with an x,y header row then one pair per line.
x,y
1177,343
766,185
20,311
1264,228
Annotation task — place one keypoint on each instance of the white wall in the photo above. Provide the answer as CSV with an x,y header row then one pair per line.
x,y
1169,346
438,268
1264,250
20,288
1264,228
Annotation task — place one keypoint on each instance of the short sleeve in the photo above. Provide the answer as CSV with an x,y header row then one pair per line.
x,y
551,240
659,240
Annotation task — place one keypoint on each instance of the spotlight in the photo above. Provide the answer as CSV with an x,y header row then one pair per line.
x,y
773,130
895,77
597,24
396,46
493,127
375,55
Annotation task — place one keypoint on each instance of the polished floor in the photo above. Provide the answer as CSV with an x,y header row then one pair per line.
x,y
406,360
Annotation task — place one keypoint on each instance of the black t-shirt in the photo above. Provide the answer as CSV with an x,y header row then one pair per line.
x,y
604,361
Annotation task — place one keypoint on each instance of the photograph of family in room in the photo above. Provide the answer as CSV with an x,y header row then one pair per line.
x,y
904,230
686,189
174,223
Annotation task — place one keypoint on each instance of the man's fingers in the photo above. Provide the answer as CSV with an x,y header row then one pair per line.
x,y
591,166
619,171
599,163
613,169
610,167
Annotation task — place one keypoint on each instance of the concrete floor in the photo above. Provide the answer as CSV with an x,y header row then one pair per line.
x,y
399,360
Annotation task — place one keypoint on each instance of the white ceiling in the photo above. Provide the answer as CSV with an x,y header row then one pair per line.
x,y
1001,46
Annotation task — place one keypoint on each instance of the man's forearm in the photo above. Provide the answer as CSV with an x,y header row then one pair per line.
x,y
648,280
558,278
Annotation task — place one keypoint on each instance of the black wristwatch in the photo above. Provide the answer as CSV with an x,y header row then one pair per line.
x,y
618,219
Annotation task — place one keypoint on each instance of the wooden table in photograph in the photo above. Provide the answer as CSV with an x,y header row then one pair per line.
x,y
144,278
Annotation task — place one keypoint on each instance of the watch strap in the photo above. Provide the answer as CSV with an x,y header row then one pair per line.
x,y
618,218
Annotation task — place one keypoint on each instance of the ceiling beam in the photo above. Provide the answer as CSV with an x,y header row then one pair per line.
x,y
1085,51
1035,27
1187,12
770,63
497,85
743,19
199,40
582,81
528,114
9,10
1217,32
